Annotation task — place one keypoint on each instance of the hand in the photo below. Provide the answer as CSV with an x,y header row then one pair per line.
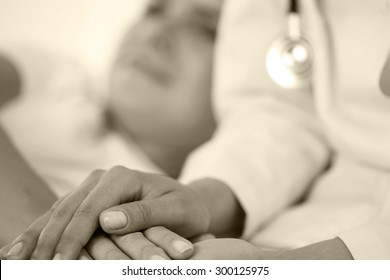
x,y
156,243
226,249
234,249
145,200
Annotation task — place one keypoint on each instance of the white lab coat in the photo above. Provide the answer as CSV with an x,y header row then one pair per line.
x,y
272,144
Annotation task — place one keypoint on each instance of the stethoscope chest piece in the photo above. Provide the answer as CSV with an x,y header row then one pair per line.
x,y
289,63
289,59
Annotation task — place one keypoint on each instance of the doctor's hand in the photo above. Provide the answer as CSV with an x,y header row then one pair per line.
x,y
124,201
156,243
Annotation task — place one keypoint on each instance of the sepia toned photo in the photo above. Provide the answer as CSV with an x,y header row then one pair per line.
x,y
195,130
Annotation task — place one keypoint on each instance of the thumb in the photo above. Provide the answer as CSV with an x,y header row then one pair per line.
x,y
135,216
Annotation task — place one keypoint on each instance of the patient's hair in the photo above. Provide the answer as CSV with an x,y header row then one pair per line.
x,y
10,83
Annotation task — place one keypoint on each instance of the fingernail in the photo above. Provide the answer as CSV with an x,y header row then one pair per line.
x,y
84,258
57,257
181,246
157,258
114,220
16,250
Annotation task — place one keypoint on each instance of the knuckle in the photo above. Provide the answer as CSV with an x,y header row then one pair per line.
x,y
132,177
119,169
85,211
82,212
141,215
59,212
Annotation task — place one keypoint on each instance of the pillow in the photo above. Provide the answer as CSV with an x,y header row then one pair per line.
x,y
89,30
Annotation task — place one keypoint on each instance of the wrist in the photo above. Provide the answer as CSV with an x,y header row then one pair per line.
x,y
201,207
224,213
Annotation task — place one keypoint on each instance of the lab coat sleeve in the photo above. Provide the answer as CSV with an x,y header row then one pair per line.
x,y
269,144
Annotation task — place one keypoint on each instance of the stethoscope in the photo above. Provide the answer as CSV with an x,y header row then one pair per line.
x,y
290,59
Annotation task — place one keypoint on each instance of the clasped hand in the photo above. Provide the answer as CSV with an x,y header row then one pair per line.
x,y
139,212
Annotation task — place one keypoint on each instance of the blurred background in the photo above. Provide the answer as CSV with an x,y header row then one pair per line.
x,y
88,30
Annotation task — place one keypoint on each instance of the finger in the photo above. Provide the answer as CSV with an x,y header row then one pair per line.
x,y
177,247
202,237
131,217
100,247
141,215
60,217
162,201
4,251
23,246
138,247
115,186
84,256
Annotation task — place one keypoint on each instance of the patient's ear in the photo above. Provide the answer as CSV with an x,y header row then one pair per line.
x,y
385,78
10,82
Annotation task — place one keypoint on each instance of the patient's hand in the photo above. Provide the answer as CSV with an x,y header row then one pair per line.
x,y
235,249
155,243
227,249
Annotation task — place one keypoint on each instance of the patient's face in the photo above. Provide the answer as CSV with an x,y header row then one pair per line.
x,y
161,80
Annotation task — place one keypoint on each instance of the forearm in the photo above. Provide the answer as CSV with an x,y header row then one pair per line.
x,y
333,249
23,195
226,214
